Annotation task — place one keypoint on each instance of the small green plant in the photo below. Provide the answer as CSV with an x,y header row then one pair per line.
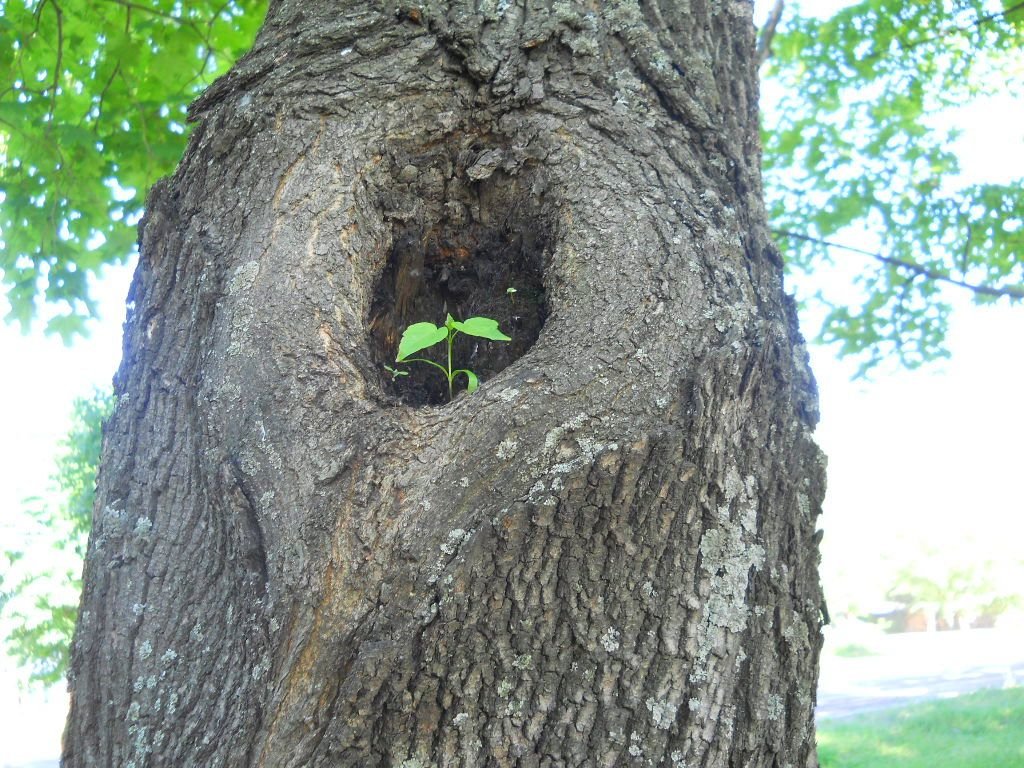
x,y
419,336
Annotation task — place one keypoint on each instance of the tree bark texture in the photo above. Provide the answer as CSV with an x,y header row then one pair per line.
x,y
603,557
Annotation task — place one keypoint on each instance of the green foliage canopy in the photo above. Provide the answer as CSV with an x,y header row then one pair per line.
x,y
93,96
92,111
857,142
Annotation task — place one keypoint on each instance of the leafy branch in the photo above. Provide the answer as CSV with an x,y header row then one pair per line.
x,y
1011,291
93,99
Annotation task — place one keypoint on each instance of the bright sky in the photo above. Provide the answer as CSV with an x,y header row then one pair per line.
x,y
927,459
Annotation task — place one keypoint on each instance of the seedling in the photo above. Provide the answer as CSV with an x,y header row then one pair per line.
x,y
419,336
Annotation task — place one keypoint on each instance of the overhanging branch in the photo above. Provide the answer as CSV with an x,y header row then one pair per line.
x,y
764,40
953,29
1011,291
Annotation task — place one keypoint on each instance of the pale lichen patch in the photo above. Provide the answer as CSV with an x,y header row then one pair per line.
x,y
610,640
634,745
741,656
523,662
728,559
554,436
699,674
244,277
663,713
733,484
803,503
508,395
455,539
775,706
507,448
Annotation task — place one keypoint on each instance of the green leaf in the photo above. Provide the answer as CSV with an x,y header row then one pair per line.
x,y
419,336
127,73
472,382
484,327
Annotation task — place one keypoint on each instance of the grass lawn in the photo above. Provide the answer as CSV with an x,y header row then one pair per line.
x,y
979,730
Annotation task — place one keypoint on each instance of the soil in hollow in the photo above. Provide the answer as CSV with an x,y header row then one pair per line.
x,y
466,274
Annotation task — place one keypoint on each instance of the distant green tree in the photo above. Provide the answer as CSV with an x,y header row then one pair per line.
x,y
43,603
954,594
854,145
93,101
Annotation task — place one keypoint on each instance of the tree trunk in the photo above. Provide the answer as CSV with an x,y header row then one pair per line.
x,y
603,557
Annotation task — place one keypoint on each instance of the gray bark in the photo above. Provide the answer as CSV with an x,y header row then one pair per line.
x,y
604,557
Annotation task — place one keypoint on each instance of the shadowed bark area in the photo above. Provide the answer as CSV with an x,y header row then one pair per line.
x,y
603,557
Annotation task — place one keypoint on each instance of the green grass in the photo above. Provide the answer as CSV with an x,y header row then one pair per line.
x,y
979,730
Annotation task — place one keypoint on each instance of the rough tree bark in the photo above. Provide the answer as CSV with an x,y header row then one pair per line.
x,y
604,557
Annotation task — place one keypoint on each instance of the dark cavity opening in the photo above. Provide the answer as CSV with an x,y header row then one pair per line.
x,y
466,273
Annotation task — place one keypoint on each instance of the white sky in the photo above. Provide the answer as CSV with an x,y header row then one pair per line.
x,y
926,459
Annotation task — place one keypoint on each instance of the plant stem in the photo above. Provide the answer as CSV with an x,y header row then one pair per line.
x,y
451,337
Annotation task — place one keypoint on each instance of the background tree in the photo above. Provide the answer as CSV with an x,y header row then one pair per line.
x,y
43,604
954,593
861,140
